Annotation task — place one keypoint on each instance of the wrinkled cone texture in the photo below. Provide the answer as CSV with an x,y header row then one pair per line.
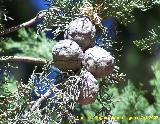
x,y
98,61
82,31
88,89
67,55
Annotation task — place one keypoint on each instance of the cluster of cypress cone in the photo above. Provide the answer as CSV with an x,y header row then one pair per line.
x,y
78,50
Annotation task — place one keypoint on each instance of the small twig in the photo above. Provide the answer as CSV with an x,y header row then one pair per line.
x,y
39,101
40,15
23,59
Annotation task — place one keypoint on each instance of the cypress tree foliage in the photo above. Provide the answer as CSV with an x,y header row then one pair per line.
x,y
28,45
17,105
151,42
22,109
133,106
155,83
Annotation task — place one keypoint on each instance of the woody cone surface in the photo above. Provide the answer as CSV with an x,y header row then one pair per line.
x,y
98,61
67,55
82,31
88,89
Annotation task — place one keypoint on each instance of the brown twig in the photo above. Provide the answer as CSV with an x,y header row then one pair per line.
x,y
40,15
23,59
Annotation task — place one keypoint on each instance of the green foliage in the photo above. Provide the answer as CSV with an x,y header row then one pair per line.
x,y
128,103
18,95
122,10
28,45
15,97
156,85
61,12
150,42
132,102
7,83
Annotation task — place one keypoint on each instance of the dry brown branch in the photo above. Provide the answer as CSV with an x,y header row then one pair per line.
x,y
40,15
22,59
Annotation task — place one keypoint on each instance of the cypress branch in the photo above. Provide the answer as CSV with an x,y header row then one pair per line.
x,y
149,42
39,16
23,59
